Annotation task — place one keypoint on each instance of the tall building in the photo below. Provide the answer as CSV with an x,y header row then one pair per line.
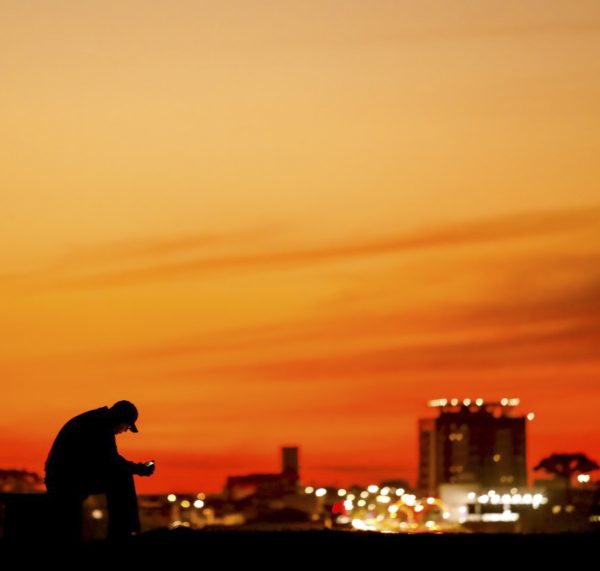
x,y
289,460
472,442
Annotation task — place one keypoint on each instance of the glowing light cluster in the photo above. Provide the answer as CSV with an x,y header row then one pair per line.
x,y
514,498
505,516
441,403
391,510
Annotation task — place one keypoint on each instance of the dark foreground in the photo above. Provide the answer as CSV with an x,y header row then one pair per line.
x,y
313,549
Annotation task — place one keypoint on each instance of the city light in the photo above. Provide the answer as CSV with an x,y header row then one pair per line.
x,y
441,403
504,516
185,504
535,500
321,492
384,499
362,526
341,492
583,478
172,498
409,499
309,490
373,489
530,416
198,504
97,514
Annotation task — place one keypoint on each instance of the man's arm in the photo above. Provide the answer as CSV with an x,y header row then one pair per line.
x,y
121,463
137,468
124,464
108,455
118,462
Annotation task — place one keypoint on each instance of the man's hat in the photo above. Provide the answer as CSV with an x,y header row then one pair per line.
x,y
126,411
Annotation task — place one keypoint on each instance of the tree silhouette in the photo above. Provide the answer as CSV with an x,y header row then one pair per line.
x,y
565,466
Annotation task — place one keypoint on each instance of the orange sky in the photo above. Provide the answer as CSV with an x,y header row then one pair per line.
x,y
274,223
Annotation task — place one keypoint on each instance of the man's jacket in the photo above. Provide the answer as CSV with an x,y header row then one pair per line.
x,y
84,455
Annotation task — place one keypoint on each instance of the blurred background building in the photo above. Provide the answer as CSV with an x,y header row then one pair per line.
x,y
472,442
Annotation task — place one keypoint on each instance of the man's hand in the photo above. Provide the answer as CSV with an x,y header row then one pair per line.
x,y
145,469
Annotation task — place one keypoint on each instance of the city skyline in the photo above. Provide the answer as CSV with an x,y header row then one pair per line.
x,y
367,474
297,222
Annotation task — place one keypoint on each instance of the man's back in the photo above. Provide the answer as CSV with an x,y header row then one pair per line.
x,y
83,447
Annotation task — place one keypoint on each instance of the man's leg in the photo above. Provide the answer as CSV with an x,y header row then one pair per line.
x,y
121,500
66,525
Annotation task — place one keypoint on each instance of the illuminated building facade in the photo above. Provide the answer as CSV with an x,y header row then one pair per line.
x,y
472,442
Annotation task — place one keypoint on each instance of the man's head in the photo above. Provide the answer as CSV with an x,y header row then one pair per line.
x,y
124,415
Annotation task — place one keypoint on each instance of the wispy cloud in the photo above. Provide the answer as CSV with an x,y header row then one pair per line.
x,y
144,248
81,270
471,332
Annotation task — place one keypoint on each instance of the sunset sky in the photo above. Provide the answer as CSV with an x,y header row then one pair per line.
x,y
294,222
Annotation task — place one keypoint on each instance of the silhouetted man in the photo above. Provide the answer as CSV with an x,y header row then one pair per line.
x,y
84,461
